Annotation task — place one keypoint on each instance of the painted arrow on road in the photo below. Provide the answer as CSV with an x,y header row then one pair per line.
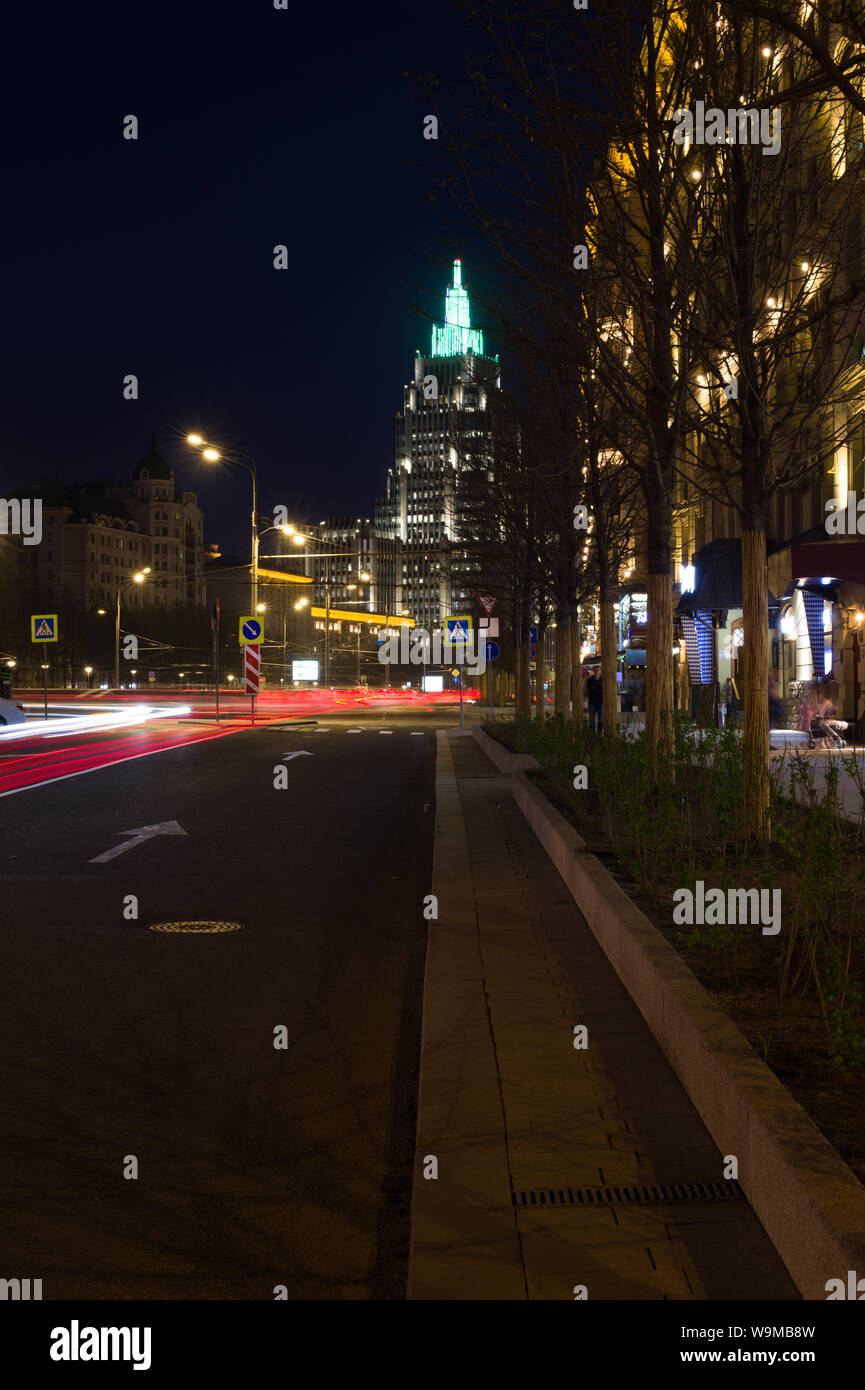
x,y
301,753
144,832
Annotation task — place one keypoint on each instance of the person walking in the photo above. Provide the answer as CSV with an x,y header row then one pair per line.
x,y
595,697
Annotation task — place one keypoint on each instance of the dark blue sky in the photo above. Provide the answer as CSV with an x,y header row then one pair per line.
x,y
154,257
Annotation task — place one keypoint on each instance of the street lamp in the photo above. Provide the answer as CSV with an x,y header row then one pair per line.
x,y
136,579
88,671
244,461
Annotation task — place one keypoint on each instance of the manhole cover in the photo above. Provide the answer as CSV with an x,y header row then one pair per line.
x,y
199,926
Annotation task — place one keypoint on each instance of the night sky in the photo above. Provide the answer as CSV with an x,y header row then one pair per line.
x,y
154,257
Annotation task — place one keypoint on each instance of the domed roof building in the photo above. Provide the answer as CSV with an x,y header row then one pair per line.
x,y
153,468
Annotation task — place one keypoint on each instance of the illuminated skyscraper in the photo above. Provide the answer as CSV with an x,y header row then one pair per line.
x,y
438,433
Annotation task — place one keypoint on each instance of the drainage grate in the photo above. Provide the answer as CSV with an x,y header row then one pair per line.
x,y
199,926
662,1194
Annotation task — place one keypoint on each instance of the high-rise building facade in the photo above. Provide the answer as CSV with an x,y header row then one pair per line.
x,y
439,433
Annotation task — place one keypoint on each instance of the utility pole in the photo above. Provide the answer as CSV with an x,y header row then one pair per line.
x,y
214,623
254,542
327,623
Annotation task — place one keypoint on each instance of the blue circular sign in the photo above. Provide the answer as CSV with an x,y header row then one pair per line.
x,y
252,630
492,650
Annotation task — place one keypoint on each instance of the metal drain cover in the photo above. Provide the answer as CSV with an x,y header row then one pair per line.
x,y
662,1194
197,926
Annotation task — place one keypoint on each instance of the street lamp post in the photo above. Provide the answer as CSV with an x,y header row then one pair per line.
x,y
327,623
136,579
244,461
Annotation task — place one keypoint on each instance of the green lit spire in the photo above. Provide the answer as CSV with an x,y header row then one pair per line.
x,y
455,336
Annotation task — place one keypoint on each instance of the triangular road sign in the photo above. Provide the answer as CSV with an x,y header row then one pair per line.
x,y
487,603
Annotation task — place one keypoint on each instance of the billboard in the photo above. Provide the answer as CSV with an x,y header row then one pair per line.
x,y
434,684
304,670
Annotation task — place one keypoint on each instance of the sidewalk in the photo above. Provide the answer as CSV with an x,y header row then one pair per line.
x,y
534,1140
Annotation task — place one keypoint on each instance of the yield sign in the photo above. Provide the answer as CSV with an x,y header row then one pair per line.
x,y
487,603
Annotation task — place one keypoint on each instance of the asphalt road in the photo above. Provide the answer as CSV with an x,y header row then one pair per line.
x,y
257,1166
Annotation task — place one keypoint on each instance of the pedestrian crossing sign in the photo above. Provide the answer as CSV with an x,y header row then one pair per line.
x,y
43,627
459,630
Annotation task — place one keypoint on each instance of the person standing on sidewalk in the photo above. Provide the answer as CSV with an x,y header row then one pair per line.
x,y
595,697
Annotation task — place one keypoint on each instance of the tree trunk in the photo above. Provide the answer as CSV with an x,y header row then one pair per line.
x,y
755,612
576,673
524,700
659,668
609,649
562,678
540,669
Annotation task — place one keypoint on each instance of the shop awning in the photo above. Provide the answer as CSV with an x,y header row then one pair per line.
x,y
719,579
835,558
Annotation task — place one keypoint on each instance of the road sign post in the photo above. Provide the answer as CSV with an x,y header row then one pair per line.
x,y
43,628
251,670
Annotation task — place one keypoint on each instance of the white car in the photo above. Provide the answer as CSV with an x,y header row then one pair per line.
x,y
11,713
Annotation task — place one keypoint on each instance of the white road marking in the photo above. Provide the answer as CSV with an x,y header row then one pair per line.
x,y
140,834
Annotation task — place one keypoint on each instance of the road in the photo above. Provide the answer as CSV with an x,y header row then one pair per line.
x,y
257,1166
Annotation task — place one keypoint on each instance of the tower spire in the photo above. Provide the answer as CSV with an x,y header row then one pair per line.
x,y
456,336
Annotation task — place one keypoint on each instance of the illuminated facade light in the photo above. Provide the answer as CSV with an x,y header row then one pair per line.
x,y
456,336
